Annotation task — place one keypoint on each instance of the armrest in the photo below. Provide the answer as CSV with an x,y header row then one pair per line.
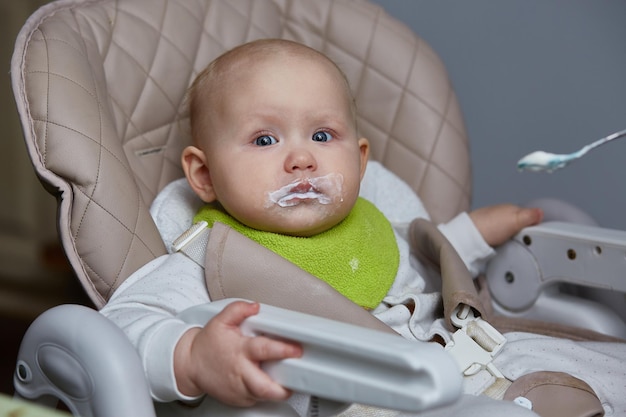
x,y
348,363
523,274
75,354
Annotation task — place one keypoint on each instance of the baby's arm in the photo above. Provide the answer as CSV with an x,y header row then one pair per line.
x,y
475,234
499,223
145,307
219,360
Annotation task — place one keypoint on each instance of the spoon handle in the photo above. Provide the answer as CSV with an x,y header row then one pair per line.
x,y
605,139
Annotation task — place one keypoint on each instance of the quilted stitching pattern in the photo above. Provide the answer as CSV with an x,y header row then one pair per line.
x,y
100,86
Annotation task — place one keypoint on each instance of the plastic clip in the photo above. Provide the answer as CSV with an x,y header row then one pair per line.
x,y
189,235
475,344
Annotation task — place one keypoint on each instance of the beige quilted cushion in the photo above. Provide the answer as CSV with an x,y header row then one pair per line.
x,y
100,87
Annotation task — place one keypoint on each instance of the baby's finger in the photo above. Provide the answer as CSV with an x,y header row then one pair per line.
x,y
529,217
263,388
259,349
236,312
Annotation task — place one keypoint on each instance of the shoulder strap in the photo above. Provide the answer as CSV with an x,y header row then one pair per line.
x,y
431,246
237,267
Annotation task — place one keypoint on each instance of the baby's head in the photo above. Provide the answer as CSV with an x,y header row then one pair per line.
x,y
275,139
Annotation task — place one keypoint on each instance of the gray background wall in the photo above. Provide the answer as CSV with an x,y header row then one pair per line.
x,y
535,75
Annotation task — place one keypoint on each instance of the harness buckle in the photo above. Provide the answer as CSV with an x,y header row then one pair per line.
x,y
475,344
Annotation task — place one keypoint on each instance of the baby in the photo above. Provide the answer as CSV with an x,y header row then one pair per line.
x,y
276,144
276,152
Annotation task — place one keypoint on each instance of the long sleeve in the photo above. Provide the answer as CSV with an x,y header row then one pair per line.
x,y
468,242
145,307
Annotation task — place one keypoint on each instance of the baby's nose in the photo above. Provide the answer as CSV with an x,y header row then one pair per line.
x,y
300,160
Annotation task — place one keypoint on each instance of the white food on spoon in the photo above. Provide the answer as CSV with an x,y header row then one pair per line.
x,y
545,161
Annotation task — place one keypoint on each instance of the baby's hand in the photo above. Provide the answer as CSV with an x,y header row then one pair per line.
x,y
499,223
220,361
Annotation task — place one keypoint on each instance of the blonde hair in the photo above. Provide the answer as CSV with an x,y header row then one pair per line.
x,y
212,76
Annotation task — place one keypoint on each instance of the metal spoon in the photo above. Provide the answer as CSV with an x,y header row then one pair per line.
x,y
545,161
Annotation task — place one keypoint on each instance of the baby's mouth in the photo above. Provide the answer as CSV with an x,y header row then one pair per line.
x,y
298,192
318,189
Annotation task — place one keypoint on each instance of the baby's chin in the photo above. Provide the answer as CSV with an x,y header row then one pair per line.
x,y
303,220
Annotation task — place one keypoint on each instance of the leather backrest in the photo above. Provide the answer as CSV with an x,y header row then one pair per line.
x,y
100,87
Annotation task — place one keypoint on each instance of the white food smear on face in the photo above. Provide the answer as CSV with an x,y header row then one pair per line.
x,y
324,189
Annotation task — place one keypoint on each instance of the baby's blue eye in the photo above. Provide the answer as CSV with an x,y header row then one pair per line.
x,y
322,137
265,140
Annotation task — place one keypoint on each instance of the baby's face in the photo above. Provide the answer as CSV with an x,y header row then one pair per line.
x,y
282,151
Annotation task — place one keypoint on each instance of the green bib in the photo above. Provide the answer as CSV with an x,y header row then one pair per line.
x,y
359,257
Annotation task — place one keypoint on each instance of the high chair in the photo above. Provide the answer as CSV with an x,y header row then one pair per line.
x,y
100,87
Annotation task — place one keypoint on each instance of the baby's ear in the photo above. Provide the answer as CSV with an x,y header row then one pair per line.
x,y
364,149
197,172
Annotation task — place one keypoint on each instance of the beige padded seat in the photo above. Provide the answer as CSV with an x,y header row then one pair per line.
x,y
100,86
